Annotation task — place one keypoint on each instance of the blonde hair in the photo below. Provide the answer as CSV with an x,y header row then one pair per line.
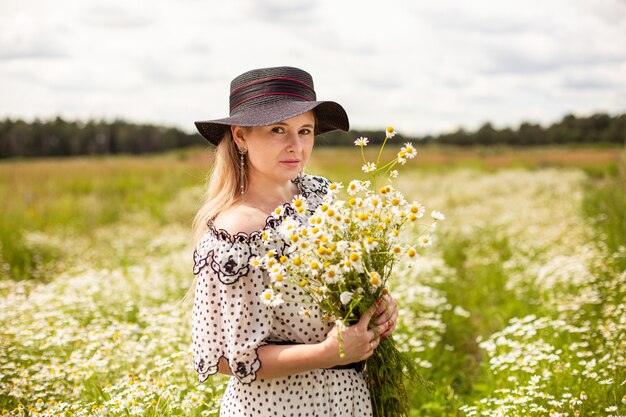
x,y
223,188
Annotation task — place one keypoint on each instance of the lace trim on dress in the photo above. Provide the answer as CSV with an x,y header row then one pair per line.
x,y
245,372
229,269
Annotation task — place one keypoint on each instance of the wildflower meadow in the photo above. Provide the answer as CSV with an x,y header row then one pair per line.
x,y
518,308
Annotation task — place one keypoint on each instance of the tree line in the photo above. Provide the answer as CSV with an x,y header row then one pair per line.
x,y
58,137
599,128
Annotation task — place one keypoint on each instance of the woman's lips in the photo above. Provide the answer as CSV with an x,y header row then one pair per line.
x,y
291,163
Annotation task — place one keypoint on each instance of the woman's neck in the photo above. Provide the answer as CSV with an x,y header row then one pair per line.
x,y
267,194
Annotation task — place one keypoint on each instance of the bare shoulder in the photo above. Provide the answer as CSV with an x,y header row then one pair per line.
x,y
240,218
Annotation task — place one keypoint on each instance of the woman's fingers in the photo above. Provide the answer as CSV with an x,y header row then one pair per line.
x,y
387,307
391,325
366,317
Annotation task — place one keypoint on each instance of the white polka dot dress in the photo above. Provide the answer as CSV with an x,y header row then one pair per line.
x,y
228,319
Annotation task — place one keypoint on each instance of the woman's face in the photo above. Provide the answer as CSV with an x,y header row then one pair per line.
x,y
278,151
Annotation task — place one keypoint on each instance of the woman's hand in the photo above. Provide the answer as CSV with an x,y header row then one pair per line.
x,y
386,315
359,342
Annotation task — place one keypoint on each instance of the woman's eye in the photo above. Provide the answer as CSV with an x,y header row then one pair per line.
x,y
278,129
305,132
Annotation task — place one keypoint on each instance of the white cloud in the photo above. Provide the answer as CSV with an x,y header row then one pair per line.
x,y
423,67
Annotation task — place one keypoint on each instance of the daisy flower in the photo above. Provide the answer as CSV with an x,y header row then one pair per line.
x,y
425,240
409,150
390,132
278,211
332,274
354,187
299,203
304,312
362,141
370,243
265,236
334,187
437,215
256,262
346,297
369,167
394,173
375,279
270,298
417,209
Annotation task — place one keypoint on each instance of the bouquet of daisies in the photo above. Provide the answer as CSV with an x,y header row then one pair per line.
x,y
341,260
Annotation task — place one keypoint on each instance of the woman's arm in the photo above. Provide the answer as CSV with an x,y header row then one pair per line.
x,y
282,360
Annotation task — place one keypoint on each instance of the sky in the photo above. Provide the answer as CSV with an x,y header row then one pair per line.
x,y
424,67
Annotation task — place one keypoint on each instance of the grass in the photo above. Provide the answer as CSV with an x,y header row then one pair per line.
x,y
116,212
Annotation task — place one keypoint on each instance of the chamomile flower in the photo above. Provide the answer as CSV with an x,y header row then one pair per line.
x,y
409,150
354,187
288,227
256,262
346,297
369,167
332,274
334,187
278,275
425,240
362,141
375,280
390,132
270,298
299,203
278,212
266,236
370,243
393,173
417,209
304,312
437,215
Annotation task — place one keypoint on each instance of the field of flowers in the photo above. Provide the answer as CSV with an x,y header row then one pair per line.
x,y
518,308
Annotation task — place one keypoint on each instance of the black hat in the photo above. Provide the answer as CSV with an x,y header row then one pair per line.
x,y
264,96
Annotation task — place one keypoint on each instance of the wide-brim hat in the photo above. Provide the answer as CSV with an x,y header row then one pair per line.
x,y
264,96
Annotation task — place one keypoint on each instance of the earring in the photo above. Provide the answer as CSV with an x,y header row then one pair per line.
x,y
242,153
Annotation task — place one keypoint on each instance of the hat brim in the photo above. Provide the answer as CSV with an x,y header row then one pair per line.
x,y
330,116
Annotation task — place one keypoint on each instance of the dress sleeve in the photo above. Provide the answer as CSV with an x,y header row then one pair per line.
x,y
228,318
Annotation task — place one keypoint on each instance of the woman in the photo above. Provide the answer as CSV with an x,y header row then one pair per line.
x,y
281,364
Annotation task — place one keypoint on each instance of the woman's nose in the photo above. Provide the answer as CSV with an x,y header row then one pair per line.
x,y
295,143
